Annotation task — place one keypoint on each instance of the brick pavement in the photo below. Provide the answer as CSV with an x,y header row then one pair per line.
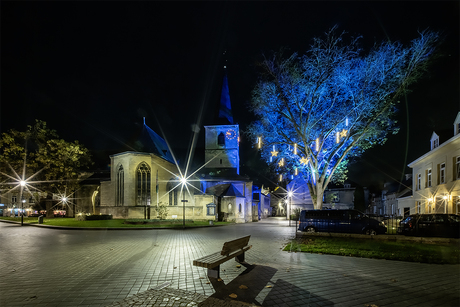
x,y
49,267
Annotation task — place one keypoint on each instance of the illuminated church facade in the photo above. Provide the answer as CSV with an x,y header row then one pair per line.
x,y
142,180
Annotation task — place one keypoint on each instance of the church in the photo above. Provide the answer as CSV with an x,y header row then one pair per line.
x,y
140,181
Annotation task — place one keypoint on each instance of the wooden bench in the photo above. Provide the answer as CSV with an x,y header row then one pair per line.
x,y
231,249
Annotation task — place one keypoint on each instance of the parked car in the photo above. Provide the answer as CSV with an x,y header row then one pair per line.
x,y
349,221
431,225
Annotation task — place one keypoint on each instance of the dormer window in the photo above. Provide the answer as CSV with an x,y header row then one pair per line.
x,y
434,141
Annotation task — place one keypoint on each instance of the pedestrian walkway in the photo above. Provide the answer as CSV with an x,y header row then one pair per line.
x,y
58,267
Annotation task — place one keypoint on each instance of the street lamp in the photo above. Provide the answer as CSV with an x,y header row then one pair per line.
x,y
22,183
183,180
290,205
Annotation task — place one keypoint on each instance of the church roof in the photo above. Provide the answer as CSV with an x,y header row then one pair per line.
x,y
221,190
225,115
151,142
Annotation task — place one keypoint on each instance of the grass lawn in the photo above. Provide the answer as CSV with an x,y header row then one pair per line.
x,y
390,250
71,222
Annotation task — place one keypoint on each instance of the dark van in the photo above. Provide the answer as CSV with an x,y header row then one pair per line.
x,y
350,221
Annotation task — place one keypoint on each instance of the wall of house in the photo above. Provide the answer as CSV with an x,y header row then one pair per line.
x,y
439,197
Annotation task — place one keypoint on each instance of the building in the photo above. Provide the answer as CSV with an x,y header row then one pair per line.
x,y
436,174
140,181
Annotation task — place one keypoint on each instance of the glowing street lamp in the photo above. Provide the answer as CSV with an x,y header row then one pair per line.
x,y
183,181
22,183
290,205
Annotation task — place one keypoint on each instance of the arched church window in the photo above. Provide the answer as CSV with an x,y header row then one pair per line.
x,y
221,139
143,185
172,193
239,208
120,186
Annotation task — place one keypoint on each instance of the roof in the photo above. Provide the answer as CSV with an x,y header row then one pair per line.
x,y
225,115
151,142
222,190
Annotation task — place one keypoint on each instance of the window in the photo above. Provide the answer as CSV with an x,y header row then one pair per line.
x,y
418,207
221,139
120,186
435,143
14,199
442,173
143,185
419,182
229,208
239,208
457,168
428,178
172,193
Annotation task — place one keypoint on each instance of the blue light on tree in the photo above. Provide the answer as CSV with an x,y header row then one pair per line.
x,y
329,105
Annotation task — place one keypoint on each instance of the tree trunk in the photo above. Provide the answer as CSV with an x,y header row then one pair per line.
x,y
318,205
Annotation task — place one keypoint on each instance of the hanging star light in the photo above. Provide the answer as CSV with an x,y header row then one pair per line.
x,y
281,163
343,133
304,160
274,152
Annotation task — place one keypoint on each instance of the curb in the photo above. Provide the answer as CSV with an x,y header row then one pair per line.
x,y
105,228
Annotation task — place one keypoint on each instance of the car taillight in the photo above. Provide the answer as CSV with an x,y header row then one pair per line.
x,y
410,224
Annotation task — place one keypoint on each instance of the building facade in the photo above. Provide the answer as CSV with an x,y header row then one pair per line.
x,y
436,174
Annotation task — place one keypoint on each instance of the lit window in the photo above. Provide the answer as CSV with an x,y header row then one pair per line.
x,y
442,173
429,178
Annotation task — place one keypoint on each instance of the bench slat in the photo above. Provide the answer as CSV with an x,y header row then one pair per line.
x,y
216,259
234,245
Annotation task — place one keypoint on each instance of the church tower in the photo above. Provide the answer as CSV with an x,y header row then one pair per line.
x,y
222,139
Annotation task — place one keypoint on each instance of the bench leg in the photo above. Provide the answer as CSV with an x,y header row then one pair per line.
x,y
240,258
214,272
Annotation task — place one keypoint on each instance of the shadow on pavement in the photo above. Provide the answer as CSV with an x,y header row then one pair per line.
x,y
252,281
287,294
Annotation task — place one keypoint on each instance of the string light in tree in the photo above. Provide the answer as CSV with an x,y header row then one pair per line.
x,y
274,152
281,163
304,160
295,148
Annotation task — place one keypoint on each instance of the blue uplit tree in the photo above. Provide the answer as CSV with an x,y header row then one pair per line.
x,y
318,110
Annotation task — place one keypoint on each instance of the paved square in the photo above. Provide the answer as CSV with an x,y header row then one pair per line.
x,y
60,267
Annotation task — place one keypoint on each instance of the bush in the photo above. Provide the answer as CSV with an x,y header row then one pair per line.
x,y
96,217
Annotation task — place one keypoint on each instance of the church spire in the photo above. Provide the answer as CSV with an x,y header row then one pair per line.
x,y
225,109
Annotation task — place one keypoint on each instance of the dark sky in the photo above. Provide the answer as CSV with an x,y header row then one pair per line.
x,y
92,70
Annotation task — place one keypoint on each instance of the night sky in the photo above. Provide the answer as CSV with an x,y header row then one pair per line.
x,y
93,70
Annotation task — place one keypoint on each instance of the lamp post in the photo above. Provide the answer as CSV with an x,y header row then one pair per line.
x,y
184,181
22,183
290,204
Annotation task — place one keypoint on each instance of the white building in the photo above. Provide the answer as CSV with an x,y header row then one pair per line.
x,y
436,176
